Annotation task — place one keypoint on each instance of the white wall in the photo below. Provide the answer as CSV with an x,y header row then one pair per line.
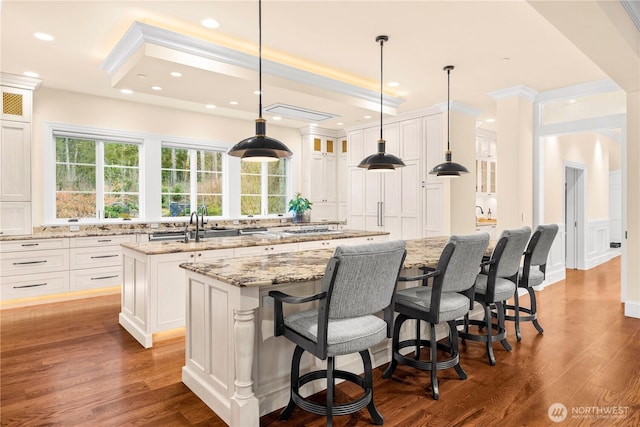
x,y
78,109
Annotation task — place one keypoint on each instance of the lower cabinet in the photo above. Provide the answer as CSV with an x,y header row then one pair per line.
x,y
96,262
30,268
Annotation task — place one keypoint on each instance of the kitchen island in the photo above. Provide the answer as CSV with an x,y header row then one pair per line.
x,y
153,293
234,363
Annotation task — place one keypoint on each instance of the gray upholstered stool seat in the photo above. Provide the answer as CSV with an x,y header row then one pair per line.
x,y
452,304
503,288
359,282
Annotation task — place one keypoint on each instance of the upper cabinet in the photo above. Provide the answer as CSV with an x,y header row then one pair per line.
x,y
486,162
323,154
15,153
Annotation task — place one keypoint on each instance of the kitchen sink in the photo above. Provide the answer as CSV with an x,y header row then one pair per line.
x,y
204,234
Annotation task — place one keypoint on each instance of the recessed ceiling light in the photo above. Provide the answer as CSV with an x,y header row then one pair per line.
x,y
339,123
313,124
211,106
490,120
141,76
571,101
256,92
43,36
175,74
506,59
367,117
210,23
233,102
31,74
277,118
393,84
156,87
126,91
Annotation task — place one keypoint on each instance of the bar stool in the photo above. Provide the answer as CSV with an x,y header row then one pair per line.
x,y
359,281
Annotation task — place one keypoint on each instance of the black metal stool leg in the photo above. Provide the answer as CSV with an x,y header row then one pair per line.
x,y
295,375
534,310
516,314
368,387
434,358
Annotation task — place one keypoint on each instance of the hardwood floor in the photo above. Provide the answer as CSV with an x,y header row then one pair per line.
x,y
71,364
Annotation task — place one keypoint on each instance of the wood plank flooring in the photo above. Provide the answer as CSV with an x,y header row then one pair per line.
x,y
71,364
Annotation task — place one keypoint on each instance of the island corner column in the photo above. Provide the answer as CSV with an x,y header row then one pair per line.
x,y
245,406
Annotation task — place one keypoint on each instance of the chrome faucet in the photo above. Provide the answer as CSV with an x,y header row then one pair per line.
x,y
197,224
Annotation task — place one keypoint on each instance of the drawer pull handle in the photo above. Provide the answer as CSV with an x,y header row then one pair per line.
x,y
104,277
24,245
29,262
104,241
103,256
35,285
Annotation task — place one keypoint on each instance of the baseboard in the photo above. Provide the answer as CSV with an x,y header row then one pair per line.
x,y
632,309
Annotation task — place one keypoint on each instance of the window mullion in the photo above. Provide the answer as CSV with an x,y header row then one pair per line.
x,y
193,179
264,189
100,179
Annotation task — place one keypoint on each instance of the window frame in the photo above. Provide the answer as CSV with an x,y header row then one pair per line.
x,y
193,148
264,190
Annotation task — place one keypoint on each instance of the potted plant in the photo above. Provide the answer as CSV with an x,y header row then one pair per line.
x,y
299,205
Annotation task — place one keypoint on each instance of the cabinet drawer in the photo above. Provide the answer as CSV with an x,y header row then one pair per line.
x,y
95,257
33,245
319,244
266,250
95,278
33,285
33,262
83,242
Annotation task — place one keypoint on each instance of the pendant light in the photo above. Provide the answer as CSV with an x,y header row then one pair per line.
x,y
448,168
381,161
260,148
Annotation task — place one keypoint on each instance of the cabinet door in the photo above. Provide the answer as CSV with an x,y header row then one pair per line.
x,y
15,162
16,104
411,139
15,218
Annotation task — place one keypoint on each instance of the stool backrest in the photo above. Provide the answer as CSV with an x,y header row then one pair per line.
x,y
509,258
460,268
539,246
365,278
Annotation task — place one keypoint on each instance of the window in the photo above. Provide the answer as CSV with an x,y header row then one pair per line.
x,y
96,178
191,179
263,188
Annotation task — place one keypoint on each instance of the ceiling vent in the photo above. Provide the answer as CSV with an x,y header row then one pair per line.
x,y
298,113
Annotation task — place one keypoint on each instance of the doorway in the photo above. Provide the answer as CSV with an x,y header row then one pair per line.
x,y
574,215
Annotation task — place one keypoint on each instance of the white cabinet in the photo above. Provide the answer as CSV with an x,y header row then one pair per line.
x,y
320,149
96,262
389,201
266,249
342,183
153,290
15,162
486,163
30,268
15,154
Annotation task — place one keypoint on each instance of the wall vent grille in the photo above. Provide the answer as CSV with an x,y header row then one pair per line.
x,y
12,103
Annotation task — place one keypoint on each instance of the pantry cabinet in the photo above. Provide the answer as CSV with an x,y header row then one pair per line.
x,y
391,201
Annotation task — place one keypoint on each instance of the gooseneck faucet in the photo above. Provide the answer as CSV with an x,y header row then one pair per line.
x,y
197,224
481,211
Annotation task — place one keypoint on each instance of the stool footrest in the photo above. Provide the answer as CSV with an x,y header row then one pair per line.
x,y
342,409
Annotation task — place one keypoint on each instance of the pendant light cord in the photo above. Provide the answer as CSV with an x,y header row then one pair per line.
x,y
381,80
260,57
448,105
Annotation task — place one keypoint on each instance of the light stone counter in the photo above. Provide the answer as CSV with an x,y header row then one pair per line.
x,y
216,243
292,267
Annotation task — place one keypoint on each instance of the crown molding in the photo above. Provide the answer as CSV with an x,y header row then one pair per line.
x,y
521,91
633,9
21,82
139,34
459,107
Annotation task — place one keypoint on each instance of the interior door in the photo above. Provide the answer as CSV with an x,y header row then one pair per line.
x,y
571,217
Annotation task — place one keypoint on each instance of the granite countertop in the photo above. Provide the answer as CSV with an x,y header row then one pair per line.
x,y
57,232
175,246
302,266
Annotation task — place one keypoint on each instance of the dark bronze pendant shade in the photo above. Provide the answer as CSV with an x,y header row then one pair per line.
x,y
260,148
381,161
448,168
